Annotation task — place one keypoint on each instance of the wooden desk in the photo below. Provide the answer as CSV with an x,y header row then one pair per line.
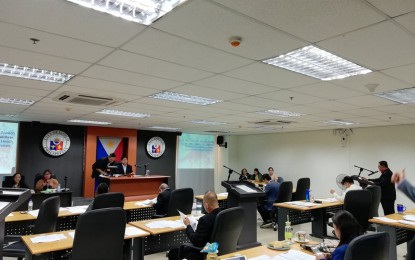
x,y
162,239
263,250
35,251
399,233
298,215
136,186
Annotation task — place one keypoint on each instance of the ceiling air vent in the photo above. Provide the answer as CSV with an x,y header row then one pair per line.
x,y
272,122
83,99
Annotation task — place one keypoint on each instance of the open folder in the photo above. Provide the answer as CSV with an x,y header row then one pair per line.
x,y
193,221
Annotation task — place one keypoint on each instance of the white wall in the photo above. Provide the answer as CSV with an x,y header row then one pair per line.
x,y
321,156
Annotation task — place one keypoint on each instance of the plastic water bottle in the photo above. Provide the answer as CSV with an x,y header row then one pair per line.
x,y
288,230
307,195
59,188
30,205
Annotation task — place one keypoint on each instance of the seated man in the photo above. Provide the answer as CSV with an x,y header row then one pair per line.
x,y
271,194
124,167
163,199
349,184
204,229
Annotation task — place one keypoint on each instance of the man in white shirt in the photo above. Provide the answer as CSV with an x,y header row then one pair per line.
x,y
349,184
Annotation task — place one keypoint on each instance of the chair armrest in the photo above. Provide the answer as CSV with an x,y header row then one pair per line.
x,y
188,247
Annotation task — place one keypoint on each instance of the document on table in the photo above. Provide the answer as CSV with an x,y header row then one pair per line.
x,y
165,224
145,202
132,231
409,217
34,213
47,238
3,204
77,209
292,254
385,219
245,188
193,221
302,204
327,200
406,222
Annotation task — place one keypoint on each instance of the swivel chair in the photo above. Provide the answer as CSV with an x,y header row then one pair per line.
x,y
369,246
180,199
108,200
284,194
302,185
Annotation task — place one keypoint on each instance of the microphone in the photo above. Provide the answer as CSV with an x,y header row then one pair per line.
x,y
372,173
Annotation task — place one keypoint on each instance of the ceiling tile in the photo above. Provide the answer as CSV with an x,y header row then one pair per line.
x,y
394,8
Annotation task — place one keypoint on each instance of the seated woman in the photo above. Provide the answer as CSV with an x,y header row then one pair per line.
x,y
346,229
17,182
244,175
257,176
47,182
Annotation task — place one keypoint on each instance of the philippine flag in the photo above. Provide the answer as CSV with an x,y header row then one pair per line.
x,y
107,145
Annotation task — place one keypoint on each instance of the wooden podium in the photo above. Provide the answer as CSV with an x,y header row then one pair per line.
x,y
10,199
135,186
244,194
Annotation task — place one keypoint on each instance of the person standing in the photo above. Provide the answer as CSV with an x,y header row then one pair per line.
x,y
124,167
100,167
271,194
163,199
349,184
388,188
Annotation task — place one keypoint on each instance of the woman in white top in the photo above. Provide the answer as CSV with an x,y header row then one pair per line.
x,y
349,184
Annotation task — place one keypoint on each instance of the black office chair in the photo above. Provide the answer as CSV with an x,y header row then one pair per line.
x,y
226,230
302,185
369,246
376,196
180,199
99,234
284,194
38,176
108,200
280,179
45,222
358,203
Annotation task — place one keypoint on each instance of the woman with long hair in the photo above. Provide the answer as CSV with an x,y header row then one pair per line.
x,y
47,182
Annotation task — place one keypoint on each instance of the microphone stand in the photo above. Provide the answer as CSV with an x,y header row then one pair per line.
x,y
363,183
230,172
66,181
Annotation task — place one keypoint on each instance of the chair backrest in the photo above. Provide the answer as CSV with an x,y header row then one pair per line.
x,y
48,216
227,228
108,200
180,199
285,192
38,176
376,195
280,179
369,246
302,185
358,203
99,234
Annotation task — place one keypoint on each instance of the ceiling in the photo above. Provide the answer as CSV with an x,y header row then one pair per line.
x,y
188,51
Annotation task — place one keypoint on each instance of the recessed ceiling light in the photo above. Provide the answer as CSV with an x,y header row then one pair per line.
x,y
122,113
338,122
206,122
33,73
89,122
139,11
173,96
402,96
280,113
15,101
317,63
164,128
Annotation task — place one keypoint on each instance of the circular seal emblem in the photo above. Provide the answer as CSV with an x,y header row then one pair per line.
x,y
155,147
56,143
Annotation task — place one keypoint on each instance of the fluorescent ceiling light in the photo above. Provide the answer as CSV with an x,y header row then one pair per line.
x,y
139,11
164,128
208,122
317,63
173,96
33,73
89,122
122,113
338,122
402,96
281,113
16,101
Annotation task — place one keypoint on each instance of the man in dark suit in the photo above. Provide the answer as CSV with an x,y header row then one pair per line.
x,y
124,167
202,234
388,188
163,199
271,193
101,167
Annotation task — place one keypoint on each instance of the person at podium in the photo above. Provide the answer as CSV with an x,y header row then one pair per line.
x,y
387,187
271,193
257,176
244,175
124,167
100,167
203,232
348,183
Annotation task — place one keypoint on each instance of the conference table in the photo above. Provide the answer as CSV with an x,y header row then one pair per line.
x,y
316,213
136,185
222,200
399,233
162,239
56,249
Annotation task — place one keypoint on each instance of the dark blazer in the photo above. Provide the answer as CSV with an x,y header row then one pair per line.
x,y
387,187
129,169
22,184
204,229
100,164
162,204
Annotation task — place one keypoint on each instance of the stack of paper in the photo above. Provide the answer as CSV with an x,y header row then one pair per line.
x,y
47,238
193,221
146,202
132,231
77,209
165,224
302,204
290,255
327,200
